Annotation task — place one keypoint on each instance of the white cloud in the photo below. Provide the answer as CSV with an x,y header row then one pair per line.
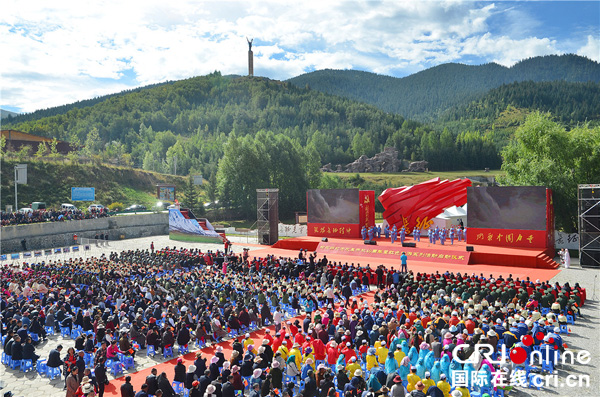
x,y
506,51
60,51
591,49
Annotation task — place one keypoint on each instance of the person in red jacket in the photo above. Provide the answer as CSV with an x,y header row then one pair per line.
x,y
412,316
269,337
299,338
470,325
454,320
319,349
348,352
332,353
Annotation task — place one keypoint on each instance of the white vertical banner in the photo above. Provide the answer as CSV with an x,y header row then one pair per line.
x,y
566,240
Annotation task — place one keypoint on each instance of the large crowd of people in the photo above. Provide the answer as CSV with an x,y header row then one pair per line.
x,y
411,334
50,215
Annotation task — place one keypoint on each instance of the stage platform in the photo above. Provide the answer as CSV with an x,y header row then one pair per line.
x,y
425,257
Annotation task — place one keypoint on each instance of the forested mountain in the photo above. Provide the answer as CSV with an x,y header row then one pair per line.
x,y
184,125
190,120
41,113
427,94
502,110
569,103
7,113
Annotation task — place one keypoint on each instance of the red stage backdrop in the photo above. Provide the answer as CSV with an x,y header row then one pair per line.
x,y
367,208
415,206
550,219
510,216
339,212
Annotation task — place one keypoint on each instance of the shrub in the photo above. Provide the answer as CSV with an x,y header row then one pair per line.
x,y
116,206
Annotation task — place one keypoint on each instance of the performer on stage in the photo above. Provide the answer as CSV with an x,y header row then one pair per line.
x,y
371,233
459,234
394,234
379,231
566,257
443,236
452,235
386,231
417,234
363,232
402,234
430,235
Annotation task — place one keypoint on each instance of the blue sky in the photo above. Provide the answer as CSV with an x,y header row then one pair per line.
x,y
62,51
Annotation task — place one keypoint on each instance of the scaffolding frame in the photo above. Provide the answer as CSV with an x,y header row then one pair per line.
x,y
588,201
267,215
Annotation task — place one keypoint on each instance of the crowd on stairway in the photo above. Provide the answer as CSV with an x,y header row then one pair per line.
x,y
412,336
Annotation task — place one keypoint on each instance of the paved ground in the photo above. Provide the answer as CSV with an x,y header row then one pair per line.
x,y
585,333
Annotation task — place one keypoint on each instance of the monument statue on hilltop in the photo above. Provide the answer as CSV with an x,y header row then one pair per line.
x,y
250,58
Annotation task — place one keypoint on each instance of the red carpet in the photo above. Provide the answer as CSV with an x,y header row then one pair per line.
x,y
520,262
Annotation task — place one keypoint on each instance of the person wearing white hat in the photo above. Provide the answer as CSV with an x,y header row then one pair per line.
x,y
443,385
427,381
190,376
456,393
210,391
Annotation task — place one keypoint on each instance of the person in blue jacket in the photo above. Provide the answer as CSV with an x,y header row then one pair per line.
x,y
394,234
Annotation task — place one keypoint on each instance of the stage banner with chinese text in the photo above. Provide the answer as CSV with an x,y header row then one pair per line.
x,y
333,230
549,219
367,208
417,254
507,238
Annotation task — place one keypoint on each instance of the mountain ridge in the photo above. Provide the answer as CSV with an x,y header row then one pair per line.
x,y
425,95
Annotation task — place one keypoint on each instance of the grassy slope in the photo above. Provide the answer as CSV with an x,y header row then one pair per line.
x,y
52,181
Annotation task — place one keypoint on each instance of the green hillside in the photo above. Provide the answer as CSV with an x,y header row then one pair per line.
x,y
184,125
51,182
427,94
569,103
503,109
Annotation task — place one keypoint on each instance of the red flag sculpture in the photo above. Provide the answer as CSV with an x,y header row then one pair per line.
x,y
415,206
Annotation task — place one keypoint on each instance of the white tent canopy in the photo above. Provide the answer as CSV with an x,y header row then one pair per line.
x,y
451,216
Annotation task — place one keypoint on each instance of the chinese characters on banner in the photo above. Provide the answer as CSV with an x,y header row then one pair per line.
x,y
507,238
367,208
333,230
426,255
566,240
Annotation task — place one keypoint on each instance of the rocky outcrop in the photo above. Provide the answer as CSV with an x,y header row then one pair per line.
x,y
386,161
417,166
327,168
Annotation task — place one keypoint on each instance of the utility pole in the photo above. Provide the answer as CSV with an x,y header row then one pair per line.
x,y
16,183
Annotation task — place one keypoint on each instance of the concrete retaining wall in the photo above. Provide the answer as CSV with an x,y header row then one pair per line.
x,y
60,234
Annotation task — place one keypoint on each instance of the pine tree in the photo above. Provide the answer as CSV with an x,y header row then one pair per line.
x,y
190,195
